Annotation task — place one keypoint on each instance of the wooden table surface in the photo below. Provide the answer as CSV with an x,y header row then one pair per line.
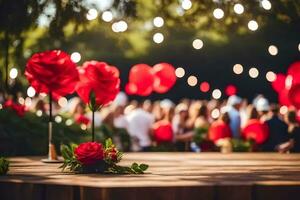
x,y
209,176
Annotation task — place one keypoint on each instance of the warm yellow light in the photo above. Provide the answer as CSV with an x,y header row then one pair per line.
x,y
158,38
266,4
238,8
238,69
186,4
58,119
252,25
253,72
180,72
197,44
270,76
215,113
31,92
218,13
158,22
107,16
75,57
283,110
13,73
192,81
216,94
92,14
273,50
62,102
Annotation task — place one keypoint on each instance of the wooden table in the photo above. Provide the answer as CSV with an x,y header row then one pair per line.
x,y
186,176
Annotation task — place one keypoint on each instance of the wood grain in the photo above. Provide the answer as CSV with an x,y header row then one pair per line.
x,y
171,176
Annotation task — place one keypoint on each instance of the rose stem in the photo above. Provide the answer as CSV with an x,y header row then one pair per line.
x,y
93,126
50,125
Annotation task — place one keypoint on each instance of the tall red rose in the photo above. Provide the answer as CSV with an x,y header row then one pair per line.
x,y
52,71
100,78
165,77
89,153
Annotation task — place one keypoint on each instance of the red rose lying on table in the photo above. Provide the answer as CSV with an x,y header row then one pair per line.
x,y
94,157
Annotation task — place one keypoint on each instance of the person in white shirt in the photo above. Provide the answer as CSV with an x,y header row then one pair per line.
x,y
139,125
232,108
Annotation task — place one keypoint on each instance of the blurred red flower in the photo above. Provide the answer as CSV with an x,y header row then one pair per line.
x,y
165,77
81,119
100,78
52,71
19,109
256,130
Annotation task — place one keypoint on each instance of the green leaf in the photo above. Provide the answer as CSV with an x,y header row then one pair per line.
x,y
108,143
144,167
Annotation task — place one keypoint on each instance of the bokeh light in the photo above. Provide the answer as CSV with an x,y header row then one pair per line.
x,y
283,110
266,4
69,122
238,8
216,94
273,50
62,102
218,13
230,90
158,22
270,76
13,73
75,57
158,38
58,119
179,72
253,72
204,86
92,14
192,81
215,113
120,26
186,4
197,44
107,16
238,69
31,92
252,25
39,113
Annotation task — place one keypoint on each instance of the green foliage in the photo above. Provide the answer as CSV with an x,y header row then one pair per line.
x,y
239,145
70,162
200,135
4,166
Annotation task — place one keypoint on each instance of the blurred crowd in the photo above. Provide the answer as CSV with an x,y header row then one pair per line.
x,y
268,127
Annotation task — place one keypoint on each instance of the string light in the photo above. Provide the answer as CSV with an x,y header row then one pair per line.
x,y
83,126
299,46
186,4
58,119
31,92
283,110
273,50
270,76
120,26
62,102
179,72
216,94
92,14
218,13
158,22
266,4
13,73
39,113
252,25
28,102
192,81
215,113
238,69
21,100
69,122
197,44
75,57
107,16
158,38
238,8
253,72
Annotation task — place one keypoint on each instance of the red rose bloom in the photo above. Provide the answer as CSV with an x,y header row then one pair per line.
x,y
52,71
89,153
111,154
100,78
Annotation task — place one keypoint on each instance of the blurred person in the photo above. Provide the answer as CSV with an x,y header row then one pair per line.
x,y
294,133
277,127
162,129
130,107
233,110
182,134
220,128
262,106
255,129
193,114
157,110
202,117
139,127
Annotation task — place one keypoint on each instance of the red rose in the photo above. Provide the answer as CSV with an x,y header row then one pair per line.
x,y
89,153
100,78
52,71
